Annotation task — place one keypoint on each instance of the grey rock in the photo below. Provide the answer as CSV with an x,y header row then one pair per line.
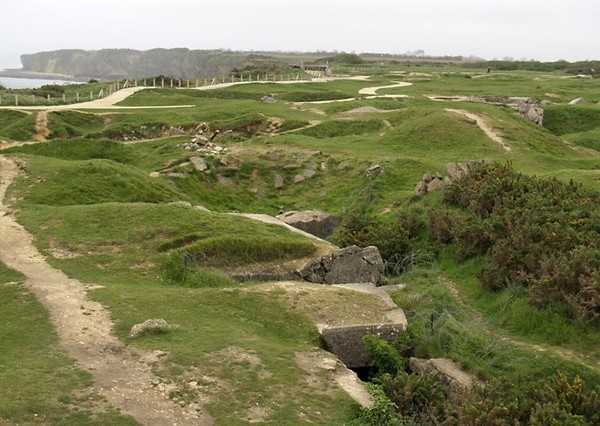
x,y
421,188
435,185
224,180
348,265
343,165
273,156
309,173
457,171
278,184
181,203
151,325
178,175
314,222
199,163
577,101
200,140
427,177
202,128
176,131
373,171
268,99
299,178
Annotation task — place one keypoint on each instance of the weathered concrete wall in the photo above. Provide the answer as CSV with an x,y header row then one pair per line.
x,y
347,341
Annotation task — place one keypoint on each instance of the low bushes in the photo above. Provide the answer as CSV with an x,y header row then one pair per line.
x,y
541,234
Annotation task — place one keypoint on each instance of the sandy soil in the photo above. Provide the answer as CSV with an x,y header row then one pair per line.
x,y
85,328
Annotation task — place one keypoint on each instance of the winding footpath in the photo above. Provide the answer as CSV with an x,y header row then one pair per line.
x,y
85,328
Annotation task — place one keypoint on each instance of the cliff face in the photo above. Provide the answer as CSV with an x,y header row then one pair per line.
x,y
127,63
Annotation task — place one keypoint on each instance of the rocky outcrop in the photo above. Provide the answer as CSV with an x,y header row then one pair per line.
x,y
531,111
348,265
455,171
347,341
314,222
151,326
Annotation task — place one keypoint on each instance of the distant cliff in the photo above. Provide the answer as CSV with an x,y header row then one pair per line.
x,y
127,63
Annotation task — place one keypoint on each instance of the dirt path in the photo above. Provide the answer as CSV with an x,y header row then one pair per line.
x,y
85,328
482,124
558,352
373,90
41,127
108,102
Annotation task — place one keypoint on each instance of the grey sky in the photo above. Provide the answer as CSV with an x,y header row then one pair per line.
x,y
533,29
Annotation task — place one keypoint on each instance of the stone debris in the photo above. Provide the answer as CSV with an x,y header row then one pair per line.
x,y
435,182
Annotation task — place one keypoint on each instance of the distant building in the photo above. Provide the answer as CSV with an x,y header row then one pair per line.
x,y
318,70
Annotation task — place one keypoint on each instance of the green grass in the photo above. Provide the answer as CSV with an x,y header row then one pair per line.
x,y
79,149
122,251
39,382
90,182
16,125
565,119
93,198
510,311
445,328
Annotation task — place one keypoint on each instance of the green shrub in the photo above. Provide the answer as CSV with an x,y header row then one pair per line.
x,y
541,234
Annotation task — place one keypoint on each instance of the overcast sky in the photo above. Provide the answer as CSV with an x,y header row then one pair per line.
x,y
545,30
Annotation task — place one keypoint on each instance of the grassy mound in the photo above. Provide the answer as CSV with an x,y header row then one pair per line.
x,y
16,125
89,182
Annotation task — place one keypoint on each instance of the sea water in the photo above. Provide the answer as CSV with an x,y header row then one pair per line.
x,y
30,83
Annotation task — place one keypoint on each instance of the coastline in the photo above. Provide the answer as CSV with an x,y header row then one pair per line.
x,y
19,73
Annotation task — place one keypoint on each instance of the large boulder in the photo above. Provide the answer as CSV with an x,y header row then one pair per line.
x,y
348,265
314,222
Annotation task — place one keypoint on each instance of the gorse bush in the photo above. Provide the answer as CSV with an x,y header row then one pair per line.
x,y
541,234
425,400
